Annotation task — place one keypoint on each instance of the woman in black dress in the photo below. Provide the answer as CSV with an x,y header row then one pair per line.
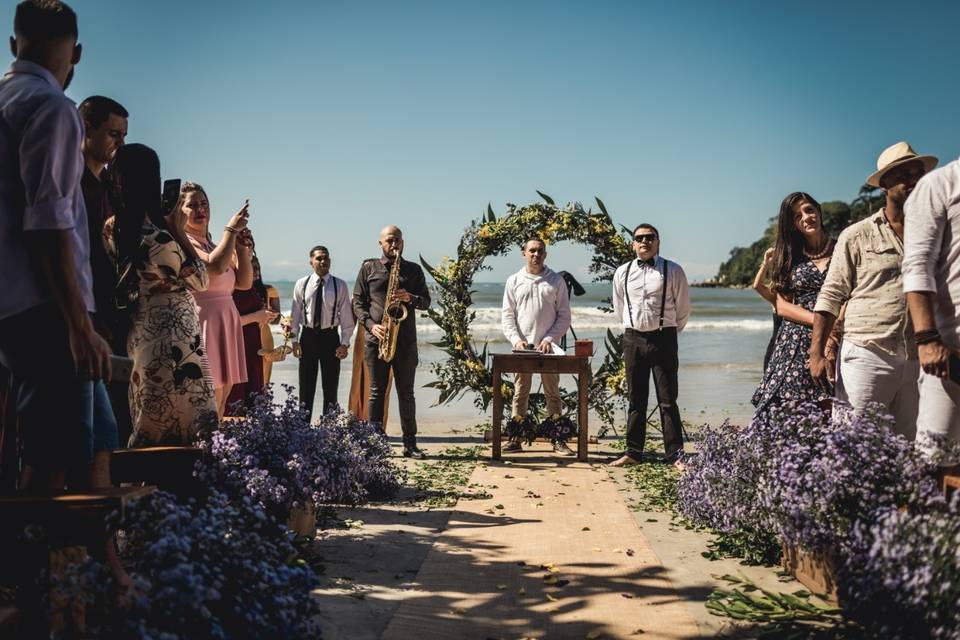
x,y
800,260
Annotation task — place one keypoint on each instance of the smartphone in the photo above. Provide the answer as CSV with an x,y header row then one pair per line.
x,y
171,194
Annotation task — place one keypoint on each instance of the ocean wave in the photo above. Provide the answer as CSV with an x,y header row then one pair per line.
x,y
486,324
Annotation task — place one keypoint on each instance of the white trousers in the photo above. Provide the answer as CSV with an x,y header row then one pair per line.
x,y
867,375
939,417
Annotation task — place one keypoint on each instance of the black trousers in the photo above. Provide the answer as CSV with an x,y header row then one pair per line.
x,y
404,365
645,353
318,349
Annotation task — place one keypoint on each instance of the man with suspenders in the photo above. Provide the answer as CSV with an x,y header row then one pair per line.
x,y
651,299
322,321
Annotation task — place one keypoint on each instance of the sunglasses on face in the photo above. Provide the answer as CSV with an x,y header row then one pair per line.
x,y
649,237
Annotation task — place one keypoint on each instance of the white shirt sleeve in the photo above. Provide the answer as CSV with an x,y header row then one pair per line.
x,y
681,292
508,313
347,320
296,309
924,222
50,167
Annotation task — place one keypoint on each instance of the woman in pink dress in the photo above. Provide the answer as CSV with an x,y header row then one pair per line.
x,y
229,267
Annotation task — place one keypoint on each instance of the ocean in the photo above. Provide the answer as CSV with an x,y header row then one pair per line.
x,y
721,351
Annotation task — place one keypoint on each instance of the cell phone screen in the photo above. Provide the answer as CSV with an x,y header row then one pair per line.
x,y
171,193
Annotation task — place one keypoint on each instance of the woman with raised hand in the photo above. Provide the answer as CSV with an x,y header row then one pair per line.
x,y
171,397
229,267
801,256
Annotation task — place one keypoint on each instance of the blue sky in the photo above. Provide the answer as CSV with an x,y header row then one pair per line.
x,y
336,118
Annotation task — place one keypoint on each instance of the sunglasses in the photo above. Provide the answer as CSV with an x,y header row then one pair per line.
x,y
640,237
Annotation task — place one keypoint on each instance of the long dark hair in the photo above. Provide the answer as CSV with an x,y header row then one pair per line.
x,y
135,194
788,246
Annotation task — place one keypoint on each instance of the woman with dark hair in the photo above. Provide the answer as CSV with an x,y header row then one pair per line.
x,y
801,256
171,397
254,315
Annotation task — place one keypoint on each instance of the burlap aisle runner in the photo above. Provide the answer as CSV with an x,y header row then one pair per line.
x,y
554,554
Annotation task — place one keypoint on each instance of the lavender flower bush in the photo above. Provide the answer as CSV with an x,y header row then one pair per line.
x,y
217,569
828,472
899,579
275,456
719,489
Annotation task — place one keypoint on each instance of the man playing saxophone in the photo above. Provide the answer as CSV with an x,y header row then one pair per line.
x,y
408,287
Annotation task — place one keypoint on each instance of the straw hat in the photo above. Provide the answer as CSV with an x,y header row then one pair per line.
x,y
896,155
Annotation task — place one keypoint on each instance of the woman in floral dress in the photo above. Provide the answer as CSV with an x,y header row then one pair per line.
x,y
800,260
171,397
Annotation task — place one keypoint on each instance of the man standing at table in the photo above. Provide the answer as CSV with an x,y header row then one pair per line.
x,y
651,299
535,315
322,322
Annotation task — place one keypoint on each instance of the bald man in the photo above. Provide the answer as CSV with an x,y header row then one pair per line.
x,y
369,300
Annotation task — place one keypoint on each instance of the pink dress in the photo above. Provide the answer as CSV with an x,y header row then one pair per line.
x,y
220,325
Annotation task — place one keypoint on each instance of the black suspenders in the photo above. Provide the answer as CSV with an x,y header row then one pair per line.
x,y
663,297
336,299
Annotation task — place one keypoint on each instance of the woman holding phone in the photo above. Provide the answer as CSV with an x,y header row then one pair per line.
x,y
229,266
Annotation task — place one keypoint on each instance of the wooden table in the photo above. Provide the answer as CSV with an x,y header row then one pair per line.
x,y
540,363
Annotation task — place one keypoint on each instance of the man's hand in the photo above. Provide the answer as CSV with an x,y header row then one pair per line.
x,y
341,352
820,370
545,346
296,349
91,354
402,295
934,359
520,344
379,331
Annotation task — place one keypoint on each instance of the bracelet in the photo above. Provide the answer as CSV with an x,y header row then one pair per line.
x,y
927,336
230,229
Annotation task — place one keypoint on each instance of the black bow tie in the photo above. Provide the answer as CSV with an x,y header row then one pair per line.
x,y
651,262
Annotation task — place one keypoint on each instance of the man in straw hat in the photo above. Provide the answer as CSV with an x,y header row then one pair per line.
x,y
878,357
931,280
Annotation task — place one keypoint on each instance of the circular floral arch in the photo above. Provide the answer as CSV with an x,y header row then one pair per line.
x,y
465,368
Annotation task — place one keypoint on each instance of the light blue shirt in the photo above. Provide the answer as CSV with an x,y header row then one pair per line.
x,y
40,170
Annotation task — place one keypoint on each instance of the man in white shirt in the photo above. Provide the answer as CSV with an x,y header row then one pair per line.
x,y
931,281
651,299
535,315
322,322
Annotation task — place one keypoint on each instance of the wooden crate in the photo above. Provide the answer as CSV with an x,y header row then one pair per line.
x,y
815,570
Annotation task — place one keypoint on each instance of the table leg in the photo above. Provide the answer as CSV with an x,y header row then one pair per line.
x,y
497,410
583,385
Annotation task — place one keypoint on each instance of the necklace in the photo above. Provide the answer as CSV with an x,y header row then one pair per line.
x,y
822,254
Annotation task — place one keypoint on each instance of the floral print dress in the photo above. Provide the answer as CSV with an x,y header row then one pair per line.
x,y
171,396
787,376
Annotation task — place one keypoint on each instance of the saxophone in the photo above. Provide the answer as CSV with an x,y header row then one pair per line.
x,y
393,313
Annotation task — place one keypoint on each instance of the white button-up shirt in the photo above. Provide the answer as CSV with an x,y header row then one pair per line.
x,y
637,302
40,170
535,307
931,246
335,308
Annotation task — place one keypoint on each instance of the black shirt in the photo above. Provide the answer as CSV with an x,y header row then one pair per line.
x,y
370,291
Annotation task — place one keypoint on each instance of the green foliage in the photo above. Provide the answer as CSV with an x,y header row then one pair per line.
x,y
782,615
743,263
752,547
442,483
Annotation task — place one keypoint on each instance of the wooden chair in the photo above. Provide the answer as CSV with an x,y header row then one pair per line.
x,y
66,519
167,468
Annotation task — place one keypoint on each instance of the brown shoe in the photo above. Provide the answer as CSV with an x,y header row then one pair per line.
x,y
626,460
512,447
